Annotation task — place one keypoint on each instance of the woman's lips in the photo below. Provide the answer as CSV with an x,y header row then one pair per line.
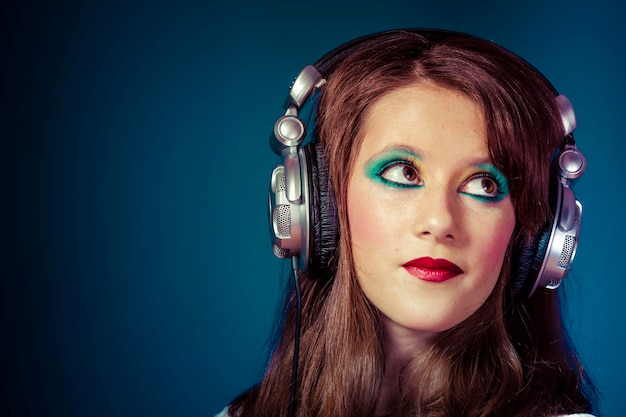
x,y
433,270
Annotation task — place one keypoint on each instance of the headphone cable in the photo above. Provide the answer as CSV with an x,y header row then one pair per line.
x,y
296,341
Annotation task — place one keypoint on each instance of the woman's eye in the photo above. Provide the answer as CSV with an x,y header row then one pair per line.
x,y
401,173
483,186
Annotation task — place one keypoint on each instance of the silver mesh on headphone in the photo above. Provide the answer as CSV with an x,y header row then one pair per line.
x,y
568,249
278,184
282,221
282,212
281,253
553,284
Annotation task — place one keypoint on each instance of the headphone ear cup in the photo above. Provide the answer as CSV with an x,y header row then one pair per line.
x,y
324,224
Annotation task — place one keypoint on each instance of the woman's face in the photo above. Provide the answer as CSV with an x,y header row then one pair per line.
x,y
430,216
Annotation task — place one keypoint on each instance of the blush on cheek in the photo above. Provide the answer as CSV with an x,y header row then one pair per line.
x,y
495,248
357,215
368,223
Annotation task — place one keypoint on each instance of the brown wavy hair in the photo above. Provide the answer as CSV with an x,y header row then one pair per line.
x,y
512,357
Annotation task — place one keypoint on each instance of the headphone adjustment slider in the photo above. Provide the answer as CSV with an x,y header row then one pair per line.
x,y
304,84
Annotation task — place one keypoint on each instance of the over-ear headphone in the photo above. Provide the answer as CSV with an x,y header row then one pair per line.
x,y
302,211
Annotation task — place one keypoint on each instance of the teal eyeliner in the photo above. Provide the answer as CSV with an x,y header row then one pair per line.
x,y
501,181
376,167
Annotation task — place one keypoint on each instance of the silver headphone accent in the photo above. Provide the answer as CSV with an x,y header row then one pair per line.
x,y
289,219
289,187
561,247
569,164
289,130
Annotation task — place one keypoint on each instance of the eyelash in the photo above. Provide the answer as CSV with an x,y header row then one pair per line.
x,y
496,178
398,163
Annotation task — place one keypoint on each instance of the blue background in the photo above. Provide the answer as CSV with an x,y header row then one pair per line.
x,y
137,277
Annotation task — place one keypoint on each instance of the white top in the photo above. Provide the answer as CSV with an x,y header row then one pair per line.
x,y
224,413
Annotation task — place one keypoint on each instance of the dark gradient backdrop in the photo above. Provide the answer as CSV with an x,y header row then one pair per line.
x,y
137,277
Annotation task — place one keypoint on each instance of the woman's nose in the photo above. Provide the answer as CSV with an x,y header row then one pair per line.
x,y
437,214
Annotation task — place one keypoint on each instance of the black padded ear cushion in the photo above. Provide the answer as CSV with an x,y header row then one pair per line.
x,y
324,225
530,258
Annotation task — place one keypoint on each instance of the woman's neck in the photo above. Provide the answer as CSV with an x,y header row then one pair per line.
x,y
401,345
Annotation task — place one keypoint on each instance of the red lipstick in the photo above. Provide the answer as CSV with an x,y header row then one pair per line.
x,y
433,270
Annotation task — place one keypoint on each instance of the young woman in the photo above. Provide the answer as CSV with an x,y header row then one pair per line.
x,y
428,177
